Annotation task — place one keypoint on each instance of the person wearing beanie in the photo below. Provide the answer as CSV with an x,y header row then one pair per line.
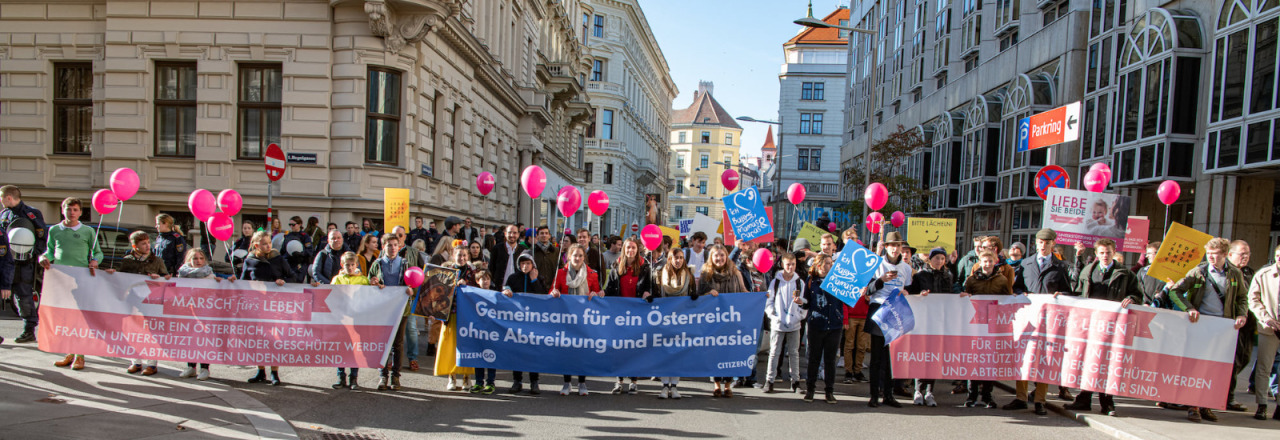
x,y
524,280
933,278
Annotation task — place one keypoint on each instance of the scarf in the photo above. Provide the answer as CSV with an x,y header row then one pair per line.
x,y
674,285
195,272
576,280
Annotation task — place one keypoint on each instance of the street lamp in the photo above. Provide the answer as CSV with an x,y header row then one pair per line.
x,y
812,22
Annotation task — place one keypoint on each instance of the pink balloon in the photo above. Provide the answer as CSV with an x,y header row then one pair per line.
x,y
484,183
598,201
105,202
729,178
832,226
124,183
876,196
651,235
897,219
1169,192
230,202
1103,168
568,231
1095,181
414,277
875,221
221,227
763,259
796,193
201,204
534,180
568,201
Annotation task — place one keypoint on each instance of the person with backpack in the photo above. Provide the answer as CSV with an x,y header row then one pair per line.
x,y
696,253
782,308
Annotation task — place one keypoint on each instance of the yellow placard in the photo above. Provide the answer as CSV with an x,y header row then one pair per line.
x,y
925,233
813,234
673,233
395,208
1181,250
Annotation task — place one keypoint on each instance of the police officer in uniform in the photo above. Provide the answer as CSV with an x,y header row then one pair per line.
x,y
24,230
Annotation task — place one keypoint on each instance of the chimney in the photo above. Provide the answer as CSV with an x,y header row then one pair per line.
x,y
707,87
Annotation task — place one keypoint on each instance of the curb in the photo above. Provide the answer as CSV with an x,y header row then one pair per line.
x,y
1108,425
266,422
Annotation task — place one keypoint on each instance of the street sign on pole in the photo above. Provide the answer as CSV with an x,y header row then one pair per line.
x,y
1052,176
1053,127
274,159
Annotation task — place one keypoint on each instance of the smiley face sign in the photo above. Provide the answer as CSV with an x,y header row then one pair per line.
x,y
928,233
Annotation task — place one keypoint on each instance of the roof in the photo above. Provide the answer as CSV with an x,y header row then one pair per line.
x,y
705,110
768,140
824,36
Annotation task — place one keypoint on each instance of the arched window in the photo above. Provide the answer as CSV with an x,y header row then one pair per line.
x,y
980,152
1243,104
1027,95
947,147
1156,105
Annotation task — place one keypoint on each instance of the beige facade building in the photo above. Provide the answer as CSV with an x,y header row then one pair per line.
x,y
362,95
705,141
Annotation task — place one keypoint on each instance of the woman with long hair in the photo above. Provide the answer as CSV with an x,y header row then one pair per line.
x,y
368,252
826,316
720,275
477,253
576,278
444,250
674,278
240,249
629,279
446,345
267,265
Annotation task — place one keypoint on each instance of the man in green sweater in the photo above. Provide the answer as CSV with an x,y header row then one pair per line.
x,y
72,243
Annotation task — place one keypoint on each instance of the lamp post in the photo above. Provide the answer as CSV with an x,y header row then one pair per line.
x,y
812,22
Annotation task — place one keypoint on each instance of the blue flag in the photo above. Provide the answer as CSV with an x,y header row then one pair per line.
x,y
854,268
894,317
710,336
747,215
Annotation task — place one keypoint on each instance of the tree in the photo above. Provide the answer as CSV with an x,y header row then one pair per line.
x,y
890,159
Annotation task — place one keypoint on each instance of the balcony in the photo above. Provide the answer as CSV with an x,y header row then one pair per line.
x,y
603,144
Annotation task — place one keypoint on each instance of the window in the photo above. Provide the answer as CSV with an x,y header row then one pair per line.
x,y
683,139
1055,11
260,90
606,124
1008,41
810,159
586,19
728,161
598,29
597,70
589,170
679,188
175,112
680,160
812,91
382,120
679,212
728,138
811,123
608,174
817,123
706,137
702,188
971,63
703,210
705,159
72,108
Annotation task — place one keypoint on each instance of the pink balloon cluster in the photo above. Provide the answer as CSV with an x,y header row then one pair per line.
x,y
1097,178
121,186
217,211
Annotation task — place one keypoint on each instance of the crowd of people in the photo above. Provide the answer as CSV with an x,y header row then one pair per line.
x,y
800,316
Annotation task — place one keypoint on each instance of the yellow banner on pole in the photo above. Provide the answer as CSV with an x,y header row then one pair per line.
x,y
395,208
925,233
1181,250
673,233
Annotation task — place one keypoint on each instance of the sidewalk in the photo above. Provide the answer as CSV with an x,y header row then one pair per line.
x,y
41,401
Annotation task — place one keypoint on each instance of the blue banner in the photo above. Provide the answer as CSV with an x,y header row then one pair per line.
x,y
611,336
854,268
747,215
894,317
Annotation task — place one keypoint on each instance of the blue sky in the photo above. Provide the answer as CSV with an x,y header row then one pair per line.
x,y
735,44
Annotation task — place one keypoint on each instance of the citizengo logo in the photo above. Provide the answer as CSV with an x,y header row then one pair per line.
x,y
749,363
489,356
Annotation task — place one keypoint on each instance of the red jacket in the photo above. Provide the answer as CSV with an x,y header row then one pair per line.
x,y
593,282
857,312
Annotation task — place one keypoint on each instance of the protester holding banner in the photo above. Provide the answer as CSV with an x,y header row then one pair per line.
x,y
266,265
413,258
785,293
577,278
1264,303
71,243
169,246
933,278
447,340
328,260
673,279
987,279
892,278
1215,288
368,251
719,275
1040,273
629,279
1106,280
826,316
141,261
388,271
349,275
484,376
196,265
524,280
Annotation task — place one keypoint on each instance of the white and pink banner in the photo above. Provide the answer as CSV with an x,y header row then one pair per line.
x,y
1092,345
201,320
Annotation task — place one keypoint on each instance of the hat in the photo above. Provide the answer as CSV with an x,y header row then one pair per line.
x,y
451,222
1019,246
894,238
800,244
526,255
1046,234
937,251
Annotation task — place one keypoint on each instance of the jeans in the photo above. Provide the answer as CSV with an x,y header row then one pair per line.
x,y
856,344
397,352
193,365
776,341
568,378
485,376
411,338
355,372
824,345
881,370
518,376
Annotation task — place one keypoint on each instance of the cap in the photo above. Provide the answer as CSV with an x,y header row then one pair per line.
x,y
1046,234
937,251
800,244
451,222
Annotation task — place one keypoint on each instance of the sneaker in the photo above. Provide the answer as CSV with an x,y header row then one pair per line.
x,y
466,383
808,396
675,394
635,389
582,389
564,390
488,389
617,388
859,377
275,379
533,388
204,374
516,388
395,383
663,393
450,385
188,373
476,389
919,399
970,403
134,369
382,383
831,397
991,404
25,337
354,386
929,401
149,371
848,377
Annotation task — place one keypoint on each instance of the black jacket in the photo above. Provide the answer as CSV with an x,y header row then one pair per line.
x,y
498,260
1056,277
935,281
644,283
519,282
270,269
351,242
328,264
22,215
826,312
171,248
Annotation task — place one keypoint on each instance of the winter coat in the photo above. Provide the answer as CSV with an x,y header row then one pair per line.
x,y
825,311
171,248
995,283
644,282
1055,277
722,283
1188,293
1116,285
143,266
934,281
327,264
269,269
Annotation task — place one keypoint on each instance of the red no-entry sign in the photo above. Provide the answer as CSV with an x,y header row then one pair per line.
x,y
1052,176
275,162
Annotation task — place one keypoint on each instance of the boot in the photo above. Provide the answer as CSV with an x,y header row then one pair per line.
x,y
275,378
78,364
65,362
808,395
342,382
831,397
395,383
1262,413
260,377
353,382
26,337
